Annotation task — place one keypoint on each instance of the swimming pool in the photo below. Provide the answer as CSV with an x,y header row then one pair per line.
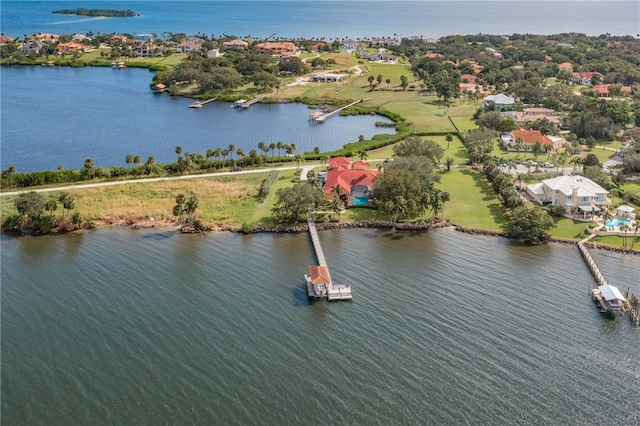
x,y
616,222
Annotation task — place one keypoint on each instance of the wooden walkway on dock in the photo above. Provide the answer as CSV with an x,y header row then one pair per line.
x,y
319,118
626,305
251,102
333,291
200,104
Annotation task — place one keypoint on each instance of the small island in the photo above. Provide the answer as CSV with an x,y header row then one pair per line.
x,y
109,13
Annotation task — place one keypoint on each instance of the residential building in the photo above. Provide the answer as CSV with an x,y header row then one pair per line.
x,y
498,101
349,44
71,48
384,42
565,66
46,37
574,193
281,48
235,45
530,115
380,56
188,46
32,47
148,50
585,78
5,39
81,38
602,90
529,139
355,181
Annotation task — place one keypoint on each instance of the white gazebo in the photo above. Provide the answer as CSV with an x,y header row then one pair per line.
x,y
625,211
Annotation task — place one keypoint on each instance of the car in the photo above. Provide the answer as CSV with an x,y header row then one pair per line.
x,y
530,163
547,165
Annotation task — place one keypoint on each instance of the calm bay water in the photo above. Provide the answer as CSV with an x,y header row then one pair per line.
x,y
60,116
144,327
330,19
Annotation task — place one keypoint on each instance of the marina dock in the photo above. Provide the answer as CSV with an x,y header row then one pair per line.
x,y
319,282
200,104
243,103
320,117
607,297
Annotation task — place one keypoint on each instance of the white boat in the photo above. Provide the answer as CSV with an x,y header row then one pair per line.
x,y
239,103
118,65
195,105
608,298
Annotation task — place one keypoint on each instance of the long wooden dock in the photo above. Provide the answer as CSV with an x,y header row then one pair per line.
x,y
319,118
200,104
251,102
319,282
626,306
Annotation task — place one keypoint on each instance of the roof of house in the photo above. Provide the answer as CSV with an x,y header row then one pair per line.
x,y
347,178
565,66
626,208
610,292
567,184
319,274
530,137
339,161
500,99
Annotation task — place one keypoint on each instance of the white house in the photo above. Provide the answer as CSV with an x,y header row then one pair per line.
x,y
498,100
572,192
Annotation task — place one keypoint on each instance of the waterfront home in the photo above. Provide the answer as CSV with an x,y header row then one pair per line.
x,y
71,48
281,48
148,50
80,38
384,42
46,37
32,47
5,39
355,181
349,44
119,40
188,46
328,77
529,139
235,45
498,101
574,193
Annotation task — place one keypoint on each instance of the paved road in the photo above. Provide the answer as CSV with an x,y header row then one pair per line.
x,y
145,180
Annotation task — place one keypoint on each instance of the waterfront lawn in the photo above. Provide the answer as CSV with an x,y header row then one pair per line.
x,y
569,228
473,202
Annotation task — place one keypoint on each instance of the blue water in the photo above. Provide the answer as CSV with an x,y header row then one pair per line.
x,y
617,222
329,19
61,115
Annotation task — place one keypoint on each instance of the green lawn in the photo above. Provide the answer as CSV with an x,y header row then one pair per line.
x,y
473,202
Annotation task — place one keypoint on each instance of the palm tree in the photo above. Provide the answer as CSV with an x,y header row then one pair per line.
x,y
128,159
272,148
336,206
624,228
635,226
607,216
150,164
136,159
400,205
449,162
299,159
363,154
178,150
449,139
232,148
190,207
280,145
424,201
88,165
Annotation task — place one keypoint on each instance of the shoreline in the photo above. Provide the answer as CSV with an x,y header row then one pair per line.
x,y
172,225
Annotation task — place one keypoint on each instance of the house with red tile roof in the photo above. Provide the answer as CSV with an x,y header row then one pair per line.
x,y
602,90
528,137
71,48
585,78
281,48
565,66
354,180
5,39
